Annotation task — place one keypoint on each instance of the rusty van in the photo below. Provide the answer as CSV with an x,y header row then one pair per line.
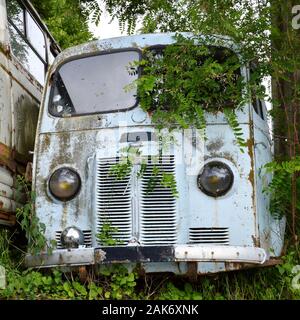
x,y
26,50
219,222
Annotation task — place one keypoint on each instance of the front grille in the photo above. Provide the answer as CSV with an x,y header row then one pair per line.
x,y
87,239
132,210
215,236
158,206
113,202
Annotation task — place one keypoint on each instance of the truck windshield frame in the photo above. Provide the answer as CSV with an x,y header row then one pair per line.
x,y
59,92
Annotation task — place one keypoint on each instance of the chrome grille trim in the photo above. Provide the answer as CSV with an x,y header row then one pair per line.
x,y
158,219
113,201
215,235
87,239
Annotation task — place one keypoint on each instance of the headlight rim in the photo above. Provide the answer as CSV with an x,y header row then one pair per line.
x,y
64,199
222,192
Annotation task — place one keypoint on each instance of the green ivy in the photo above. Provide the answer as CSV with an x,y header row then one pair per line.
x,y
106,235
29,222
184,80
280,188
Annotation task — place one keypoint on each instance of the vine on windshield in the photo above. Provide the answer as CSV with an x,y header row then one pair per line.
x,y
183,81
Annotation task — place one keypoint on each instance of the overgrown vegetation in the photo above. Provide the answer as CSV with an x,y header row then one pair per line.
x,y
119,283
183,81
132,155
29,222
106,235
66,21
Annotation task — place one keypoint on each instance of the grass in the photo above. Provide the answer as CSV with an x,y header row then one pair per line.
x,y
275,283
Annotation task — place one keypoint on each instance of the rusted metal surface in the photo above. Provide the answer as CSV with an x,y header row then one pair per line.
x,y
6,157
7,218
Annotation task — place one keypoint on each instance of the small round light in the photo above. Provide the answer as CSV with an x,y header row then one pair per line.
x,y
215,179
72,237
64,184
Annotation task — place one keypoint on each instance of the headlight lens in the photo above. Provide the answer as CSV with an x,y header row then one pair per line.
x,y
215,179
72,237
64,184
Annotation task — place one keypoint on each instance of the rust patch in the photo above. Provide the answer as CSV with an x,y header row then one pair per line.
x,y
192,268
45,143
99,256
256,241
250,146
251,177
215,145
6,157
5,49
9,217
226,155
232,266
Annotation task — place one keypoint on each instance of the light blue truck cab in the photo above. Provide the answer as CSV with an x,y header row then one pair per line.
x,y
220,220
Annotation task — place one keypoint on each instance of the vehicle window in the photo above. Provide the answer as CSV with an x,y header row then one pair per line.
x,y
35,36
16,14
94,84
27,43
26,55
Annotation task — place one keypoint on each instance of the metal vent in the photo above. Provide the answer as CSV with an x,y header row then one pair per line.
x,y
216,236
113,202
87,239
158,206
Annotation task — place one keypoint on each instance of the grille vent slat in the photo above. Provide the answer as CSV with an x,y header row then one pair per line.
x,y
215,236
87,239
113,202
158,207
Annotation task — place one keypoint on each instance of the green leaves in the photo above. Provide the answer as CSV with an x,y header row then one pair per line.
x,y
185,80
107,233
29,222
66,20
235,126
121,169
280,188
159,177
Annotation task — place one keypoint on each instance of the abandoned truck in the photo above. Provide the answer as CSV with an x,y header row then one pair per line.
x,y
26,50
220,221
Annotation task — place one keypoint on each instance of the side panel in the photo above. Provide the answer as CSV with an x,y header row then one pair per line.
x,y
271,230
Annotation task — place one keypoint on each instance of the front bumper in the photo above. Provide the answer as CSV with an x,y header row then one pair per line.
x,y
134,254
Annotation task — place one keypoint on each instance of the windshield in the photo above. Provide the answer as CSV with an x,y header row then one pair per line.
x,y
95,84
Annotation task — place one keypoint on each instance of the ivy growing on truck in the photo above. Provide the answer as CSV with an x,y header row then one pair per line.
x,y
182,82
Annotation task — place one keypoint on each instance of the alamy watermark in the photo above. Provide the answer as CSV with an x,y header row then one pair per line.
x,y
2,278
296,17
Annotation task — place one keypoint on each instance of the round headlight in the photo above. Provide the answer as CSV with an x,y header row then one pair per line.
x,y
72,237
215,179
64,184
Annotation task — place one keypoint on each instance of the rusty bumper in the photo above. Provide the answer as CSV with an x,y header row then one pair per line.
x,y
133,254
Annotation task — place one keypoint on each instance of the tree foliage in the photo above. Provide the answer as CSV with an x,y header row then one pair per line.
x,y
66,20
